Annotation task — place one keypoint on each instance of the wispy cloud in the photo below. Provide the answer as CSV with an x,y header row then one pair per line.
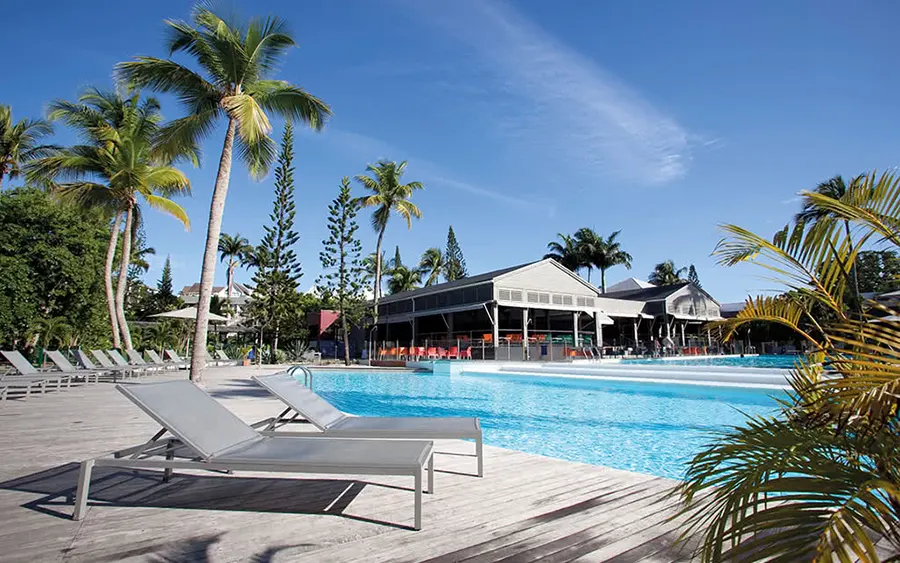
x,y
791,200
431,173
566,104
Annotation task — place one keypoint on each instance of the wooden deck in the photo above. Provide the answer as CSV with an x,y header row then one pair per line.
x,y
526,508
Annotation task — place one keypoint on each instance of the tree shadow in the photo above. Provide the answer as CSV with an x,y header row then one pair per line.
x,y
143,488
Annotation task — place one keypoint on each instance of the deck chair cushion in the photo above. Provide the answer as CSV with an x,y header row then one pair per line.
x,y
313,407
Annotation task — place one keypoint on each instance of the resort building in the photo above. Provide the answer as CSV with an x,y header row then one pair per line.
x,y
542,310
240,297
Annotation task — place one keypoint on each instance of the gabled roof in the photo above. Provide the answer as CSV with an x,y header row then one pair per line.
x,y
647,293
629,284
441,287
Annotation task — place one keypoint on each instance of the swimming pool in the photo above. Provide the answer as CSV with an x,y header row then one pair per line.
x,y
783,362
645,427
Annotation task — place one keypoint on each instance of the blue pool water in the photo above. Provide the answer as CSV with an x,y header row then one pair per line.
x,y
644,427
785,362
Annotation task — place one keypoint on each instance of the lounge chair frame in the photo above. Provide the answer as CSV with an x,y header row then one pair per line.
x,y
171,453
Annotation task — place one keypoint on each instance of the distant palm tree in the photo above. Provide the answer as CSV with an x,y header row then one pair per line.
x,y
834,188
370,264
601,253
236,60
233,250
162,335
20,143
389,195
565,252
118,166
403,279
432,265
54,331
665,273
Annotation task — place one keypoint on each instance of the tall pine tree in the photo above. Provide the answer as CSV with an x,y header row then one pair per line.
x,y
344,275
277,275
456,263
165,298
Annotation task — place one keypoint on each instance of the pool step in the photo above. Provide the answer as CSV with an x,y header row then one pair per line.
x,y
711,375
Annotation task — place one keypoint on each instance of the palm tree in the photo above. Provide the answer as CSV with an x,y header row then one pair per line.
x,y
370,264
119,165
52,331
565,252
432,265
404,279
20,142
834,188
603,254
819,480
665,273
236,60
233,250
389,195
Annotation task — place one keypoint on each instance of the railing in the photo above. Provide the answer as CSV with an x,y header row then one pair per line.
x,y
307,375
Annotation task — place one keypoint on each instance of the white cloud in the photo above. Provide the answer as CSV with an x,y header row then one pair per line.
x,y
566,104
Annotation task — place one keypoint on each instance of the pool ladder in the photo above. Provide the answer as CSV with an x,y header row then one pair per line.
x,y
307,374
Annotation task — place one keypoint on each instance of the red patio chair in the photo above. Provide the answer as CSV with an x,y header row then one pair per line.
x,y
453,353
432,353
467,354
420,352
442,354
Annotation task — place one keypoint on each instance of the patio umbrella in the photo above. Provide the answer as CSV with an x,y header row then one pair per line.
x,y
190,314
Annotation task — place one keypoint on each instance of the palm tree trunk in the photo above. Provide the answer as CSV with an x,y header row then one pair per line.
x,y
602,280
107,280
589,274
275,346
123,277
231,265
213,230
377,289
346,337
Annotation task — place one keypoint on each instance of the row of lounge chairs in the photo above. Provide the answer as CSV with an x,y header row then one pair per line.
x,y
109,365
198,432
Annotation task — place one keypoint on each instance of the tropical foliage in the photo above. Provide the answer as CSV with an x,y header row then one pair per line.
x,y
432,265
118,165
666,273
587,249
388,195
20,143
236,60
60,274
565,251
234,251
819,481
341,282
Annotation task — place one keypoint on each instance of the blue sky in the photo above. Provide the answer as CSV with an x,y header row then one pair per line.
x,y
524,119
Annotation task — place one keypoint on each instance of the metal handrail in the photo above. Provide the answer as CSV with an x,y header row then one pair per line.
x,y
307,374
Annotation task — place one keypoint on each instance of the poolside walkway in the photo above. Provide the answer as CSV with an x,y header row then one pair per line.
x,y
526,508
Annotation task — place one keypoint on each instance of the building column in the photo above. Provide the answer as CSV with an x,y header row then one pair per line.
x,y
449,325
683,327
575,318
635,324
415,327
525,334
495,336
598,332
708,340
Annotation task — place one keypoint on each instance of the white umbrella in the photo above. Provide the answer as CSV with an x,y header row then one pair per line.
x,y
190,314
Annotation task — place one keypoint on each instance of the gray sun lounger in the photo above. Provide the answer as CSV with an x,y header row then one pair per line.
x,y
121,361
334,423
106,363
223,357
155,360
138,360
30,377
207,436
86,363
173,355
65,366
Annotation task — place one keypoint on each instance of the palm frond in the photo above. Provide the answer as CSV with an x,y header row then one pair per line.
x,y
169,207
290,102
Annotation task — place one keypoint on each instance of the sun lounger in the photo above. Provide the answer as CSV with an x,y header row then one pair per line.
x,y
172,355
86,363
106,363
223,357
207,436
155,360
121,361
65,366
332,422
138,360
31,377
